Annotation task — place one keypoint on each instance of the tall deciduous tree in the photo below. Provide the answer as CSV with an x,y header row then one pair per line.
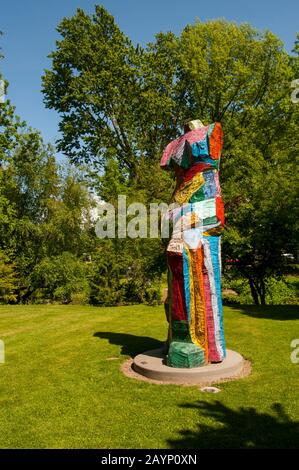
x,y
242,78
120,103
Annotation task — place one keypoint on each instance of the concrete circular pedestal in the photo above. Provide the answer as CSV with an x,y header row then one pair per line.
x,y
152,364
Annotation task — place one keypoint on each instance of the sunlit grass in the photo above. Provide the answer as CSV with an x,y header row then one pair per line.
x,y
58,388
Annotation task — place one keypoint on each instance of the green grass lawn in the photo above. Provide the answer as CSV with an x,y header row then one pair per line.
x,y
59,389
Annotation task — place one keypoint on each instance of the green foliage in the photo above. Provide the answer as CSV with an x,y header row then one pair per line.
x,y
139,288
60,278
118,274
236,291
279,291
44,212
11,126
106,270
282,291
8,280
114,96
8,211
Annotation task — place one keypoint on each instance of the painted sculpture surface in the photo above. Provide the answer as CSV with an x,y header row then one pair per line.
x,y
194,305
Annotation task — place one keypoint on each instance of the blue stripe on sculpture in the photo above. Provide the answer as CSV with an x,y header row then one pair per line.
x,y
214,247
186,281
210,188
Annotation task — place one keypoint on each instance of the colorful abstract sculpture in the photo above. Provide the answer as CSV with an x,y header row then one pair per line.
x,y
194,305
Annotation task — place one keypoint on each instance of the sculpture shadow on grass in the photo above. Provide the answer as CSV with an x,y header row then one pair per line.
x,y
130,344
242,428
270,312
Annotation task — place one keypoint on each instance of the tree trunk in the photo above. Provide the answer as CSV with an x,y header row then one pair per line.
x,y
263,292
254,292
258,291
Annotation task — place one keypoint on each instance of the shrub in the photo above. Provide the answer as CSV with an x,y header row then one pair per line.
x,y
8,280
279,291
282,291
61,278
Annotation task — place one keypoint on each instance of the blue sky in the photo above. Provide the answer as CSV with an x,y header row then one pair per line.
x,y
29,36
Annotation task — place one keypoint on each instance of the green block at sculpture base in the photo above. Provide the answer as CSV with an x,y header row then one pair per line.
x,y
180,331
185,355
